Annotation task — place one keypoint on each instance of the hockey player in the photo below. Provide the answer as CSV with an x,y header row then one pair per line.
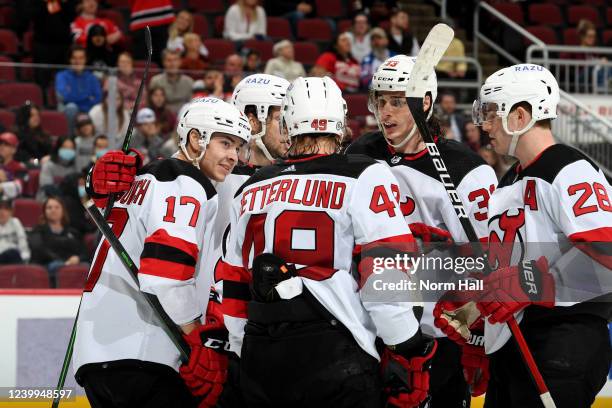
x,y
557,195
427,209
307,338
122,356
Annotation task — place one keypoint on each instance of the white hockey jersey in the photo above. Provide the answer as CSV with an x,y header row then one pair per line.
x,y
423,197
165,224
317,212
560,198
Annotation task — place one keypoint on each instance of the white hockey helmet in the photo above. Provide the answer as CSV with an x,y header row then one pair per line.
x,y
261,91
313,106
209,116
505,88
391,76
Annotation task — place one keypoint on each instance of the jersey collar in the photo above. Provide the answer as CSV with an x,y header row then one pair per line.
x,y
304,157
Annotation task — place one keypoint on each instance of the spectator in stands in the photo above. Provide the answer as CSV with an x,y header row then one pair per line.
x,y
165,117
453,69
75,198
34,142
192,58
53,242
401,40
587,32
148,139
499,163
379,54
181,26
448,112
85,134
359,36
473,135
339,63
100,117
157,15
52,36
252,62
78,90
245,20
283,64
61,163
127,81
13,173
88,17
176,85
98,148
99,53
232,72
293,10
14,247
211,85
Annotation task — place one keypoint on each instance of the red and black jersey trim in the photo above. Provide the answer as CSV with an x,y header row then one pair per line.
x,y
168,257
167,253
236,290
330,164
170,169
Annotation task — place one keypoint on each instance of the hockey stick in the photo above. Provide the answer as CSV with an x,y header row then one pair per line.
x,y
111,200
431,52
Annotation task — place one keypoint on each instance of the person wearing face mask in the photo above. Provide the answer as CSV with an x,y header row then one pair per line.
x,y
61,163
84,140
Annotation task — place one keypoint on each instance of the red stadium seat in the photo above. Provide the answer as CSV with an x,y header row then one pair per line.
x,y
16,93
218,49
24,276
314,29
278,28
28,41
7,118
306,53
577,13
31,186
344,25
9,43
544,33
28,211
545,13
114,16
200,25
207,6
329,8
7,73
72,276
26,74
7,16
609,16
607,38
357,104
54,123
570,36
219,23
511,10
264,48
118,3
355,127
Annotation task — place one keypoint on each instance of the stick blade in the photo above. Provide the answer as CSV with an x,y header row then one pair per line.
x,y
432,50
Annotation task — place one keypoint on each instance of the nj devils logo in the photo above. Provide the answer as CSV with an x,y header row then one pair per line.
x,y
407,206
506,238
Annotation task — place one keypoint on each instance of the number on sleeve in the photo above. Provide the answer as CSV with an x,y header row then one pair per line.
x,y
380,201
184,200
586,191
481,196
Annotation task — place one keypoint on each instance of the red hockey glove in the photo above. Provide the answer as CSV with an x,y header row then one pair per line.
x,y
508,290
406,378
429,234
455,314
475,362
206,371
112,173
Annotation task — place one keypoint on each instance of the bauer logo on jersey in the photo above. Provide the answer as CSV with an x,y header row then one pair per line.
x,y
506,240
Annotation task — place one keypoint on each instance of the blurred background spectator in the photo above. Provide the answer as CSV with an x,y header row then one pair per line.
x,y
128,82
99,115
232,73
283,64
473,136
75,197
401,40
14,246
192,57
13,174
158,15
359,36
87,18
34,142
61,163
53,242
252,62
339,63
147,138
177,30
84,140
100,53
165,117
78,90
293,10
211,85
377,56
177,86
452,69
447,111
245,20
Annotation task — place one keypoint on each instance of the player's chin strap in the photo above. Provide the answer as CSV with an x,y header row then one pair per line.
x,y
202,143
516,134
260,144
410,134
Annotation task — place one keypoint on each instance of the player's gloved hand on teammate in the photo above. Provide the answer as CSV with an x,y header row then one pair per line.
x,y
428,238
406,373
112,173
511,289
474,360
206,371
456,315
